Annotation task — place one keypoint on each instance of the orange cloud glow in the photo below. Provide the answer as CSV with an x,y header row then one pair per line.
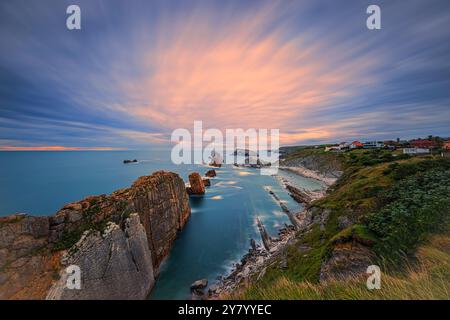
x,y
240,77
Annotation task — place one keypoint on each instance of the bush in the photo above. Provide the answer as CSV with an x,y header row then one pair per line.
x,y
412,208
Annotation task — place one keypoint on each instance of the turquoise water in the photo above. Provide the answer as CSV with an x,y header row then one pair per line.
x,y
217,234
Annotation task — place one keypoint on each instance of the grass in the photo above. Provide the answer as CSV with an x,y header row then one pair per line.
x,y
373,197
427,278
16,219
89,222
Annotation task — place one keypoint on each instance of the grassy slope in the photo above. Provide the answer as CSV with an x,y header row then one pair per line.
x,y
427,278
373,189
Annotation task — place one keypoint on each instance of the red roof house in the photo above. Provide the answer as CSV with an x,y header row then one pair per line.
x,y
447,144
423,143
356,144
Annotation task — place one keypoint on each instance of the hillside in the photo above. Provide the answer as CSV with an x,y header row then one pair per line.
x,y
385,209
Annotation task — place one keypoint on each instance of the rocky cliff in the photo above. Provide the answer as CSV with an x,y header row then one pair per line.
x,y
118,241
322,166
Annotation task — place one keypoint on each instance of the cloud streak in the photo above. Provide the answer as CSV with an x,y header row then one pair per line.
x,y
137,71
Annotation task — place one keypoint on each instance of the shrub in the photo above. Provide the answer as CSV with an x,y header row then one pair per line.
x,y
412,208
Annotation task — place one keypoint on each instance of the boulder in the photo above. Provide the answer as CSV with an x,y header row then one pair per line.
x,y
206,182
210,173
199,284
197,187
343,222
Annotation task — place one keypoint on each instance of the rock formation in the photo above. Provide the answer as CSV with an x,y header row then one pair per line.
x,y
210,173
301,196
196,184
206,182
267,241
346,260
124,238
122,269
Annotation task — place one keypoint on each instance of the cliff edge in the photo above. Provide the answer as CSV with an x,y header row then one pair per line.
x,y
118,241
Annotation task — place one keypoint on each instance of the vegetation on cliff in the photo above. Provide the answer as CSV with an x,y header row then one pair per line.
x,y
385,208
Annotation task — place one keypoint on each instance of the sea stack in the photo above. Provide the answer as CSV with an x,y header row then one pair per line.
x,y
210,173
197,186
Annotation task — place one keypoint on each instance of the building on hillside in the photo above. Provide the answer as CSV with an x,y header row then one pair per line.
x,y
391,144
403,143
447,145
373,145
356,145
416,151
332,148
344,145
423,143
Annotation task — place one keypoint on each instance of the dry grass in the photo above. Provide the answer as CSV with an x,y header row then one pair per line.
x,y
425,278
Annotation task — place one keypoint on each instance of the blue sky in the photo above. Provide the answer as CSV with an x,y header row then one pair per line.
x,y
139,69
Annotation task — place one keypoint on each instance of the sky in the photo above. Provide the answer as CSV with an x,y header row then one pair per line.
x,y
137,70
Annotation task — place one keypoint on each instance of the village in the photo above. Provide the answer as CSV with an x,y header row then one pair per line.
x,y
421,146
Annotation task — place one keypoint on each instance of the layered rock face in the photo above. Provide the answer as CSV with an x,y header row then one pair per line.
x,y
325,166
159,199
26,267
124,238
122,269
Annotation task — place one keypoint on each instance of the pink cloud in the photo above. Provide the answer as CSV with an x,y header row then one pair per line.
x,y
239,76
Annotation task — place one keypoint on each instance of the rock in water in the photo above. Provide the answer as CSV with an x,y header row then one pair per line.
x,y
197,187
206,182
210,173
199,284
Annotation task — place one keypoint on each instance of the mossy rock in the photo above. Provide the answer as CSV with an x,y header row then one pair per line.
x,y
358,233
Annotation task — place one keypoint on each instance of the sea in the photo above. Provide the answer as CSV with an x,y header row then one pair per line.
x,y
221,224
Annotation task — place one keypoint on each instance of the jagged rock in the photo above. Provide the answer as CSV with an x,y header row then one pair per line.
x,y
301,196
23,270
267,241
326,168
31,247
199,284
196,184
344,222
122,269
283,265
210,173
213,289
346,260
206,182
197,295
253,244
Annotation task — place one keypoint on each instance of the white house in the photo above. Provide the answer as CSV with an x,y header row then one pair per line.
x,y
415,150
331,148
373,144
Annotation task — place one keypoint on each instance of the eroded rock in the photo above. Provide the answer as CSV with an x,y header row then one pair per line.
x,y
31,247
196,184
210,173
114,265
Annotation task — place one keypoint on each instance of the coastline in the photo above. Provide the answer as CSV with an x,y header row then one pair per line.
x,y
258,258
308,173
